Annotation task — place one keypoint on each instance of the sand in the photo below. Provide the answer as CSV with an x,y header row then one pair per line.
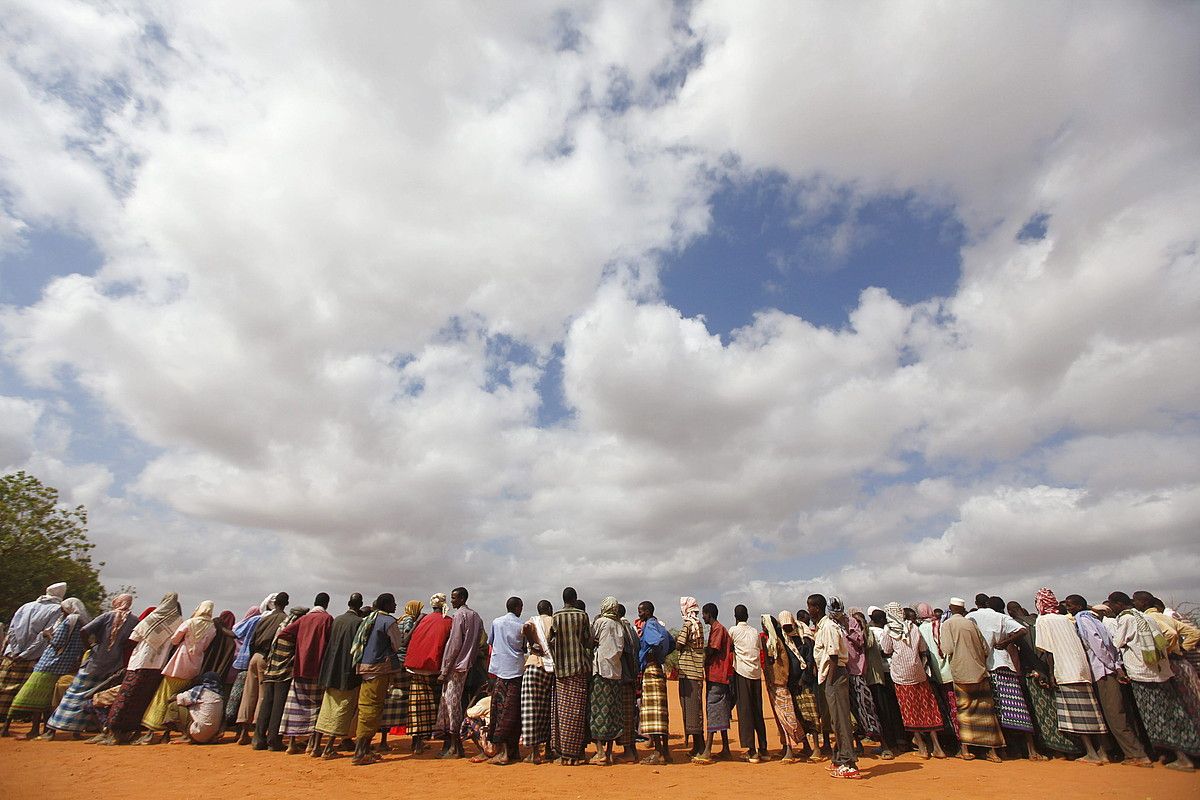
x,y
67,769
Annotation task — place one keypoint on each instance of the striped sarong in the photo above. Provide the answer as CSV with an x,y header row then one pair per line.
x,y
718,702
13,674
1164,716
918,707
424,695
691,700
536,689
629,715
395,708
570,715
338,710
74,712
654,717
137,690
1013,708
862,705
606,712
36,694
450,710
301,708
1045,717
1078,710
977,720
504,722
158,714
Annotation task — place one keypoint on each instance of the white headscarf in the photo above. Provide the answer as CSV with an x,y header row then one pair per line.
x,y
73,605
267,604
54,592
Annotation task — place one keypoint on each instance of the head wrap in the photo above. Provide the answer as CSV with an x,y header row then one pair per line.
x,y
785,618
227,620
896,626
872,609
73,605
925,612
413,608
608,608
437,602
198,626
160,624
690,610
252,611
1045,602
835,605
55,591
774,648
120,612
268,603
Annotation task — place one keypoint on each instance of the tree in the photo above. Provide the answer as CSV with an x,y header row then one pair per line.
x,y
42,542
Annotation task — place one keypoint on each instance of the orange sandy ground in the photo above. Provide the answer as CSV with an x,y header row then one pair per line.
x,y
67,769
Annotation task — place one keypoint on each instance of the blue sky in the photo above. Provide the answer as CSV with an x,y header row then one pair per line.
x,y
647,299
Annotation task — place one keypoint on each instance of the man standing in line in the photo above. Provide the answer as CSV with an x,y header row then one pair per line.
x,y
507,664
461,649
718,672
25,644
276,682
1001,631
376,643
311,635
339,680
831,653
260,647
966,653
654,721
747,668
690,644
570,644
537,683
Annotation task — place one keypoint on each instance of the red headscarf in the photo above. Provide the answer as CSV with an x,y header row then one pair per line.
x,y
1045,601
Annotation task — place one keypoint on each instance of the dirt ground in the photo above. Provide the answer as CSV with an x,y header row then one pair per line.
x,y
37,770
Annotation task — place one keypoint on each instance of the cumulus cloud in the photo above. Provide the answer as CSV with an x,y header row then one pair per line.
x,y
344,250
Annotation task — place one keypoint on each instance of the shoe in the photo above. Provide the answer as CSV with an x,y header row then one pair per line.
x,y
846,772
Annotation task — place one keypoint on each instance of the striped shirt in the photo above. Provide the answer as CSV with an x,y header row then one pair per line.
x,y
570,643
689,642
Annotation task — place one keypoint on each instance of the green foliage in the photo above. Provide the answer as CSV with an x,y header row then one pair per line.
x,y
41,543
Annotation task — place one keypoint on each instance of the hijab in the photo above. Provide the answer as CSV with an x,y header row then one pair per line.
x,y
412,609
438,602
608,608
925,612
55,593
74,607
896,626
252,611
200,623
227,620
120,611
785,618
690,610
1045,602
160,625
774,646
268,603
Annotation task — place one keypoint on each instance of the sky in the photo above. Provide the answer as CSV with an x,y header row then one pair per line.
x,y
743,301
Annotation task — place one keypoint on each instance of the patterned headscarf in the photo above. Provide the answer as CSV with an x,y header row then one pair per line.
x,y
785,618
437,602
1045,602
608,608
160,625
690,610
774,648
925,612
120,608
201,621
836,606
412,609
896,626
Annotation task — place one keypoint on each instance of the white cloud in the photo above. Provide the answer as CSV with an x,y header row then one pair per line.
x,y
319,229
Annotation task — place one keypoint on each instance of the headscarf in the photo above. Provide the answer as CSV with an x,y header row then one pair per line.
x,y
836,606
1148,637
210,681
785,618
160,625
608,608
268,603
201,621
227,620
54,592
690,610
437,602
75,606
412,609
774,647
252,611
1045,602
120,611
925,612
896,626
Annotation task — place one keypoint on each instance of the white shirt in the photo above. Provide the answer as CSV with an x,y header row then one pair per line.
x,y
1125,640
145,657
1057,636
829,642
745,651
995,626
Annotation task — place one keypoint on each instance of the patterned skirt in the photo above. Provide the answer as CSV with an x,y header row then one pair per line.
x,y
36,694
786,720
863,707
1045,715
1078,710
13,674
718,702
1167,722
537,687
338,709
606,710
654,720
691,700
301,708
235,698
977,720
395,708
948,706
74,712
1187,681
919,707
505,723
810,717
629,713
1013,708
424,697
137,690
158,714
570,715
450,710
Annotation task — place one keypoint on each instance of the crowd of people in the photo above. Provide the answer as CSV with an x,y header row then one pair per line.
x,y
1095,683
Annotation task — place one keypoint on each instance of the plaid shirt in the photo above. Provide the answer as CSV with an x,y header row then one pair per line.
x,y
571,643
689,642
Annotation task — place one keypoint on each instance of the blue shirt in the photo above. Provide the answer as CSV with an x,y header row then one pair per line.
x,y
508,647
244,631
